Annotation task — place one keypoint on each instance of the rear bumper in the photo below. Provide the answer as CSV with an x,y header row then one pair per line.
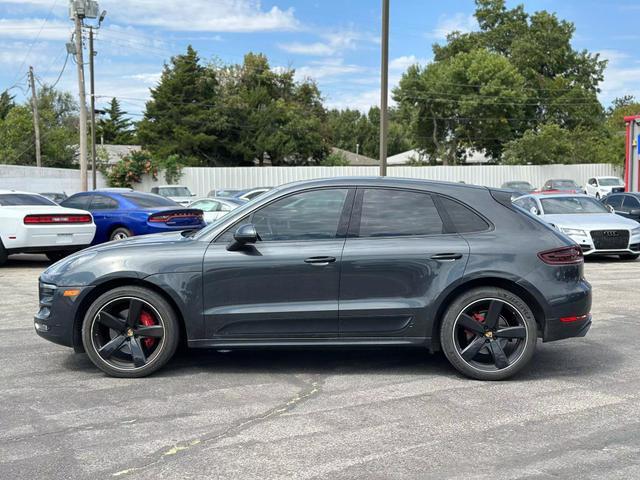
x,y
53,237
554,329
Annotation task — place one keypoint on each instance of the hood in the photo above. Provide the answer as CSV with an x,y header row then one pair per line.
x,y
140,241
591,221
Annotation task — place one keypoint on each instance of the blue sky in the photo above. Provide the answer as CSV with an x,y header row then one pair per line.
x,y
335,42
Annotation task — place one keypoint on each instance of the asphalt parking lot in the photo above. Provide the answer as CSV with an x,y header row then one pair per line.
x,y
573,413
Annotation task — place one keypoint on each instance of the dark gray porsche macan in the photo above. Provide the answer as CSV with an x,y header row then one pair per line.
x,y
351,262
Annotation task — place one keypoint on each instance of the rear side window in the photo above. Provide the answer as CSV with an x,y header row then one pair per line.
x,y
77,201
631,202
102,202
16,199
463,218
148,200
398,213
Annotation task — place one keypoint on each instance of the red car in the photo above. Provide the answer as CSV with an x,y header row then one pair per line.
x,y
561,186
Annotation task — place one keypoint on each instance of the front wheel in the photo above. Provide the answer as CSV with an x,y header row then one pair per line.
x,y
488,333
130,332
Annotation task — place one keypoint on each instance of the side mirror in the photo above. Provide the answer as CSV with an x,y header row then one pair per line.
x,y
245,234
534,210
611,209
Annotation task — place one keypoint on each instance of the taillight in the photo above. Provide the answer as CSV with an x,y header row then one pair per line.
x,y
562,256
159,218
56,219
167,217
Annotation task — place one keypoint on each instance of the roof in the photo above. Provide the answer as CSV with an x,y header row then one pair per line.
x,y
379,181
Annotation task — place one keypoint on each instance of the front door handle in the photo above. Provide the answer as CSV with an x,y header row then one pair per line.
x,y
446,257
320,260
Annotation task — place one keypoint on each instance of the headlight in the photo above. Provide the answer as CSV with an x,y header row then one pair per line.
x,y
635,231
574,231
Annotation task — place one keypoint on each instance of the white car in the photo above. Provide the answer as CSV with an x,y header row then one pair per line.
x,y
600,187
588,222
31,223
216,208
178,193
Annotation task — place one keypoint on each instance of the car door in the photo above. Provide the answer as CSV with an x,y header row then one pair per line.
x,y
287,284
104,210
630,207
592,186
399,256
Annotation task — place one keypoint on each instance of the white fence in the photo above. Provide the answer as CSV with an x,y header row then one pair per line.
x,y
202,180
34,179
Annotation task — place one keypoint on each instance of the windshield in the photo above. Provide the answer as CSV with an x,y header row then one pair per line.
x,y
564,185
174,191
227,193
610,182
19,199
571,205
149,200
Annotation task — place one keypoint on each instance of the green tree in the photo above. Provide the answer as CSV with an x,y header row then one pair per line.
x,y
6,104
115,128
58,131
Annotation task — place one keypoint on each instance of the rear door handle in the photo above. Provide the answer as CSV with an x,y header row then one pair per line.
x,y
320,260
446,257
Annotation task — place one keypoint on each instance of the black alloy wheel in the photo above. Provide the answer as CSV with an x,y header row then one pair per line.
x,y
489,335
130,332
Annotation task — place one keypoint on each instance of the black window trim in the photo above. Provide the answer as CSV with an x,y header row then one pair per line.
x,y
343,221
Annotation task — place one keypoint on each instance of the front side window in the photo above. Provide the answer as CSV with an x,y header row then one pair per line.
x,y
398,213
101,202
77,201
312,215
631,202
615,201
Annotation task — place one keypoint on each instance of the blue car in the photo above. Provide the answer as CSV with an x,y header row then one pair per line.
x,y
121,214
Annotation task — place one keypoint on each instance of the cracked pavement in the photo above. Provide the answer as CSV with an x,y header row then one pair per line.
x,y
573,413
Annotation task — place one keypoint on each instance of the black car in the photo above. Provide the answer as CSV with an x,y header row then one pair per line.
x,y
625,204
355,262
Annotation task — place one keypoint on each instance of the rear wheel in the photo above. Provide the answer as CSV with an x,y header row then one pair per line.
x,y
629,256
130,332
120,233
488,334
3,254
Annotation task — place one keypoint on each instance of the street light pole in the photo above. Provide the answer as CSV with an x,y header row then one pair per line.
x,y
83,104
93,109
384,88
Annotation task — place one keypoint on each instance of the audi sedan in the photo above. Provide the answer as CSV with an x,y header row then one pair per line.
x,y
352,262
588,222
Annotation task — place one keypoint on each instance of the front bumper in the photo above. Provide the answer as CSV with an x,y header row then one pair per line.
x,y
588,246
55,319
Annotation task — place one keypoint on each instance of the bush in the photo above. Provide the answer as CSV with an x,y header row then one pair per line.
x,y
130,169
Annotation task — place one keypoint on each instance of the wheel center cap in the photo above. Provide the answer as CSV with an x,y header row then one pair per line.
x,y
488,334
129,332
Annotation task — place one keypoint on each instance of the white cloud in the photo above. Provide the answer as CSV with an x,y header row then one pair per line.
x,y
620,77
404,62
327,69
31,27
190,15
450,23
334,43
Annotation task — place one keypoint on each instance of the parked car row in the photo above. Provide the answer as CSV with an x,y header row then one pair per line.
x,y
598,187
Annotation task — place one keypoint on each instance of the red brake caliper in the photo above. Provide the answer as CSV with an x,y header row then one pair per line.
x,y
147,320
478,317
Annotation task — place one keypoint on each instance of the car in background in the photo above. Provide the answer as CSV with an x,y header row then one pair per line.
x,y
561,186
600,187
341,262
122,214
56,197
31,223
624,204
178,193
215,208
519,186
588,222
245,195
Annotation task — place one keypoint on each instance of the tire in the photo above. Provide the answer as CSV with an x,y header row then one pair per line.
x,y
55,256
120,233
514,334
628,257
111,338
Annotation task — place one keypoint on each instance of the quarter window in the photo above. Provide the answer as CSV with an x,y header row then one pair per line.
x,y
396,213
464,219
312,215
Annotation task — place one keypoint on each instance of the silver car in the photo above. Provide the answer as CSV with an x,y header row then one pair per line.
x,y
588,222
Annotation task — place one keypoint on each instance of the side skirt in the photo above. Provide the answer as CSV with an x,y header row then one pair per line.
x,y
360,342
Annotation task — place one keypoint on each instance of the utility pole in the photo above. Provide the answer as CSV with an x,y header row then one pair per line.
x,y
83,104
36,118
384,88
93,109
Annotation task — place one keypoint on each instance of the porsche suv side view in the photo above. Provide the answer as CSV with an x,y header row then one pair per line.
x,y
347,262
